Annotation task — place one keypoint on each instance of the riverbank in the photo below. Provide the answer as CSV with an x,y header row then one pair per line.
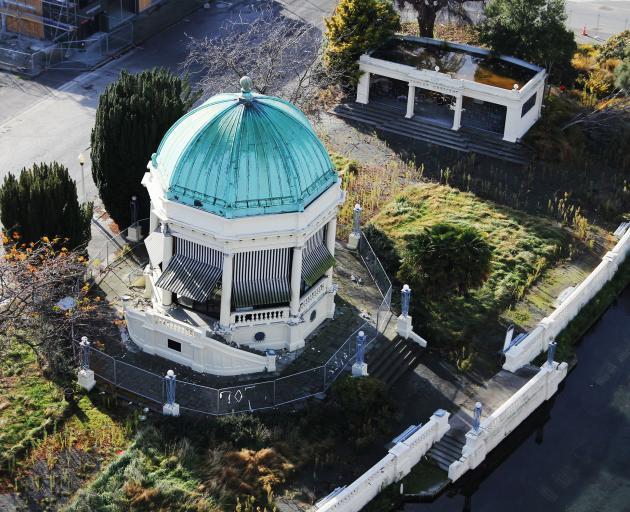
x,y
573,456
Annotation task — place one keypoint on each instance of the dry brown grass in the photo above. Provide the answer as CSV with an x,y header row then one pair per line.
x,y
255,472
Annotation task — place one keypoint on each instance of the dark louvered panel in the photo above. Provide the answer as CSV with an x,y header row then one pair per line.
x,y
190,278
260,293
315,264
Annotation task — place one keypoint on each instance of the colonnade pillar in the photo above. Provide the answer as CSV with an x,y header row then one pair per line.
x,y
167,254
153,220
411,101
296,280
363,89
226,290
457,117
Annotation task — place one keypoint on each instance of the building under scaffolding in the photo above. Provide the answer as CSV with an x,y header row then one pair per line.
x,y
66,20
37,34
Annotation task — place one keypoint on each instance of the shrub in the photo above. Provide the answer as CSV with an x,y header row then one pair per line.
x,y
384,248
133,115
446,257
616,47
43,202
362,408
355,27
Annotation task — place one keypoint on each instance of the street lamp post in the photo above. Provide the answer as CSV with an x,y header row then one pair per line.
x,y
81,163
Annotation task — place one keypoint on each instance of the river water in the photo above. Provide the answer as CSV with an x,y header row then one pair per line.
x,y
574,452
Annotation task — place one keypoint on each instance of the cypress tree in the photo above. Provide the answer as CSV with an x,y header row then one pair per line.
x,y
133,115
43,202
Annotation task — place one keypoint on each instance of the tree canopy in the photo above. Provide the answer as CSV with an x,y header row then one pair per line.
x,y
355,27
133,115
445,258
427,12
622,74
42,201
616,47
533,30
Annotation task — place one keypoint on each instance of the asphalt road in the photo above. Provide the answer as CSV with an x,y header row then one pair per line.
x,y
50,118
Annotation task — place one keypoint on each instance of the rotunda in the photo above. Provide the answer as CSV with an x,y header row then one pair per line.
x,y
244,202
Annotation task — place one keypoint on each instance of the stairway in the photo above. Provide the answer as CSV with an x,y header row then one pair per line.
x,y
393,360
449,449
467,140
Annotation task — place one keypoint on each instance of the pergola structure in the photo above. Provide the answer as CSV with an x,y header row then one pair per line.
x,y
480,90
244,202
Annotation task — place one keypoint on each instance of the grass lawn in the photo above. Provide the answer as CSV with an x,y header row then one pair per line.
x,y
29,403
524,246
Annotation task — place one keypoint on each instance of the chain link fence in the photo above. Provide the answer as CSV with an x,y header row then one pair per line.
x,y
249,396
79,55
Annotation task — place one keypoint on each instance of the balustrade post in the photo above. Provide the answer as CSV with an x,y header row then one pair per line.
x,y
404,326
170,408
85,376
477,418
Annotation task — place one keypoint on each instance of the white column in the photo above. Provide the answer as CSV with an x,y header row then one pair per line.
x,y
363,89
167,297
457,117
411,101
153,220
296,279
512,129
226,290
331,235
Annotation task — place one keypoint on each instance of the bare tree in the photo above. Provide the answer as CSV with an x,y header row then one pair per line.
x,y
604,116
428,10
283,56
44,300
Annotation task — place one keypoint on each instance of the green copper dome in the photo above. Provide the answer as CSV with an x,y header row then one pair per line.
x,y
244,154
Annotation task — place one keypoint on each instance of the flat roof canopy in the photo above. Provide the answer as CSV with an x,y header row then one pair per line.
x,y
460,63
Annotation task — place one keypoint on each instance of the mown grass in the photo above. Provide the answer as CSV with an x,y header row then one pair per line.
x,y
523,247
29,403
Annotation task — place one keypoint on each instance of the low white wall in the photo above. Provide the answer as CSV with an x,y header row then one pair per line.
x,y
151,332
506,418
538,340
393,467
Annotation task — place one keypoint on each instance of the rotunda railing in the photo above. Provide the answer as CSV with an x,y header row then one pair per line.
x,y
248,396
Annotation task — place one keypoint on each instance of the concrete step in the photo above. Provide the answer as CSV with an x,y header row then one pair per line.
x,y
450,442
392,363
383,358
448,450
465,140
442,461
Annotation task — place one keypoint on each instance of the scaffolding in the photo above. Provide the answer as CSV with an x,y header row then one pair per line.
x,y
50,20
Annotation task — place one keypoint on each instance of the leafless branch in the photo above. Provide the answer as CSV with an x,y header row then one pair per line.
x,y
283,56
604,115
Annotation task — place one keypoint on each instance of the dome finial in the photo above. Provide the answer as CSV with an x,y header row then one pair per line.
x,y
246,85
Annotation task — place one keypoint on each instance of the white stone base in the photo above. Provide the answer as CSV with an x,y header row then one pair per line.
x,y
353,241
170,410
134,233
404,326
360,370
86,379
